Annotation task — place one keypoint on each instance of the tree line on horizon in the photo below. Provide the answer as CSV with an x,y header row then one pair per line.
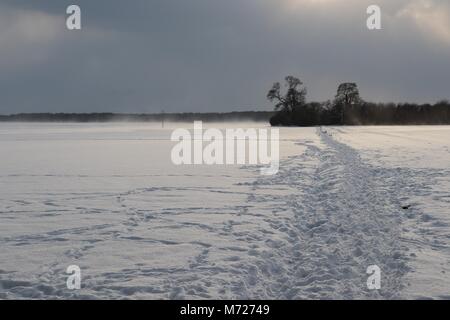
x,y
261,116
348,108
291,109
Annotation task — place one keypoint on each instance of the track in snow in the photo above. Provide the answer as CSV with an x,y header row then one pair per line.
x,y
339,218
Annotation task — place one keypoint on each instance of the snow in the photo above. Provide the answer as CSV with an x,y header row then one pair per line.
x,y
107,198
421,158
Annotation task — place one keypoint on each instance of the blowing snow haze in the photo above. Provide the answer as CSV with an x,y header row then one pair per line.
x,y
216,56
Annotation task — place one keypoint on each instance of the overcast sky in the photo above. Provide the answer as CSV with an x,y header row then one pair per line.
x,y
216,55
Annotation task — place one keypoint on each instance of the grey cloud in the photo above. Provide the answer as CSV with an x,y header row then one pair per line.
x,y
211,55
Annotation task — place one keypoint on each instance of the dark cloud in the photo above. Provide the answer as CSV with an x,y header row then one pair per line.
x,y
215,55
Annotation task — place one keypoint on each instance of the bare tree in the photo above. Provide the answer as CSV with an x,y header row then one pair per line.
x,y
295,94
347,95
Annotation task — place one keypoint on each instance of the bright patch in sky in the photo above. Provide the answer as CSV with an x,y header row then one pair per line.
x,y
430,17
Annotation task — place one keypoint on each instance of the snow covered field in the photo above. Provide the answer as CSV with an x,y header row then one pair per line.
x,y
106,197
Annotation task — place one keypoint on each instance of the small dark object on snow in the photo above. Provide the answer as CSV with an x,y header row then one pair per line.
x,y
406,207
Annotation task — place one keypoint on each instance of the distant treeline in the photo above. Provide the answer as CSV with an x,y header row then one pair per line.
x,y
365,113
259,116
348,108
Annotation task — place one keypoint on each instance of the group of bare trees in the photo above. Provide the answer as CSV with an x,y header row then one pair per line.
x,y
347,108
